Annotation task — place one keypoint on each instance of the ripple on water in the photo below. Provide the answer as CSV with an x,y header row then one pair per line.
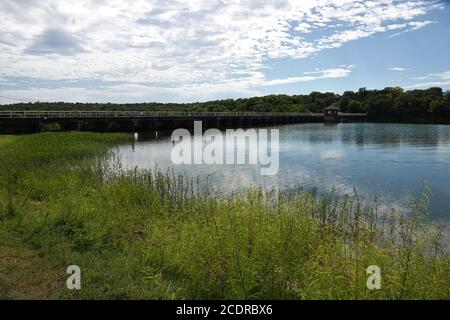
x,y
387,161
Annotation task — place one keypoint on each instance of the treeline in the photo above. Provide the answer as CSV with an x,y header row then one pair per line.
x,y
391,103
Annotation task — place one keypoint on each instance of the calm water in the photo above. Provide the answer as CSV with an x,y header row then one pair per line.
x,y
386,161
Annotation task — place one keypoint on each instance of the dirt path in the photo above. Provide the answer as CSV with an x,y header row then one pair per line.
x,y
26,275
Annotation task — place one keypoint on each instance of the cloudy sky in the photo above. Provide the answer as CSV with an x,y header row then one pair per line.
x,y
182,51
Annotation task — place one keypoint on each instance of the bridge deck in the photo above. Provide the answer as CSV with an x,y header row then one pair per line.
x,y
144,114
12,121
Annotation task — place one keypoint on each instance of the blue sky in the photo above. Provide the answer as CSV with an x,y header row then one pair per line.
x,y
183,51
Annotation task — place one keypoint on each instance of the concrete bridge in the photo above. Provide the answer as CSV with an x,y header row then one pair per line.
x,y
132,121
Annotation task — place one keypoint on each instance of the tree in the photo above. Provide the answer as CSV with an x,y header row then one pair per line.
x,y
355,107
344,102
401,105
440,108
379,105
362,93
386,104
435,92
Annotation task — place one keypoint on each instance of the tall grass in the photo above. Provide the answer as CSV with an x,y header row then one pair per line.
x,y
145,234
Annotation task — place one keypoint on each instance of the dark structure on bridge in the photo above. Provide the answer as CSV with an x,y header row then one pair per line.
x,y
135,121
331,114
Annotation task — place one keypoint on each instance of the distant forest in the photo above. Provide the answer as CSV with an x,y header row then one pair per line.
x,y
392,103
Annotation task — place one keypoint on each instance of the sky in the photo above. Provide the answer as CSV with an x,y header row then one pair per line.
x,y
199,50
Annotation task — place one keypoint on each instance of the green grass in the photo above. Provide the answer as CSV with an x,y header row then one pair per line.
x,y
142,234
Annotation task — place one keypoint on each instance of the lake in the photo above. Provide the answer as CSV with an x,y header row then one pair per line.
x,y
388,162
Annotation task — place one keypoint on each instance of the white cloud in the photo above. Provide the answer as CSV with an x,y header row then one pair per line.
x,y
441,75
434,80
194,92
400,69
303,27
311,76
414,25
184,44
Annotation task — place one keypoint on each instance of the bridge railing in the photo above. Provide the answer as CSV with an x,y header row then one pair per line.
x,y
342,114
142,114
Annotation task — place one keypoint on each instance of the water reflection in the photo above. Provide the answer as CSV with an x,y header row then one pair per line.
x,y
387,161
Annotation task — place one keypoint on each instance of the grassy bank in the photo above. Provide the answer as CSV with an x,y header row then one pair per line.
x,y
140,234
